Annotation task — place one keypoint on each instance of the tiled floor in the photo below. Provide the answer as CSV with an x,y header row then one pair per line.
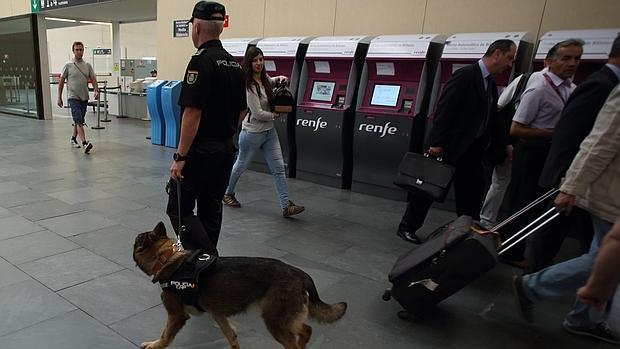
x,y
67,279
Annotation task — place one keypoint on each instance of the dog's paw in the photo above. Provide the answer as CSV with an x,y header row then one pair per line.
x,y
150,345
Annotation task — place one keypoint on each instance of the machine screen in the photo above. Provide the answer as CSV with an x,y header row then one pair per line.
x,y
322,91
385,95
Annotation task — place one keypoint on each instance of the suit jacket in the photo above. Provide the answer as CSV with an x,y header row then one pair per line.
x,y
576,123
461,111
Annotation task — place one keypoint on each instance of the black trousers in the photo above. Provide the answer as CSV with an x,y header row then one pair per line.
x,y
527,163
206,174
468,191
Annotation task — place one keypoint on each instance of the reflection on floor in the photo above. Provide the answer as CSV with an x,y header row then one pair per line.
x,y
67,279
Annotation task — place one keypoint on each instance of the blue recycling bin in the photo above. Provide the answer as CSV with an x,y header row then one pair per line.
x,y
153,102
170,93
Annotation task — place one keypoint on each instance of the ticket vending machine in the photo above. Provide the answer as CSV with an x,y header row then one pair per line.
x,y
153,102
284,56
464,49
237,47
326,108
170,93
595,51
395,91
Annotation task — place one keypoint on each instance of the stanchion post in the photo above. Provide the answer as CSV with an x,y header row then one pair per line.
x,y
98,127
105,102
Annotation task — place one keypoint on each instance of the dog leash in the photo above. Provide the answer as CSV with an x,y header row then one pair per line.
x,y
181,226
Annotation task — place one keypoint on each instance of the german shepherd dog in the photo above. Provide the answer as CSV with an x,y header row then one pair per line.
x,y
285,295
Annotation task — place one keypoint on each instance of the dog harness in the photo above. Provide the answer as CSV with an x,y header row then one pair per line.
x,y
185,280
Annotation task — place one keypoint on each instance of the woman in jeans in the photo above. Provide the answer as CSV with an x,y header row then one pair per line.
x,y
258,132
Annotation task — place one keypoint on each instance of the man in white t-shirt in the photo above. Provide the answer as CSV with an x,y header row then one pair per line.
x,y
77,74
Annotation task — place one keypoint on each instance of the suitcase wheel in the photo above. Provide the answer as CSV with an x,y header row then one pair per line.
x,y
387,294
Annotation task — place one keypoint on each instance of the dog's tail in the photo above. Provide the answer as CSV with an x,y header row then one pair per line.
x,y
320,311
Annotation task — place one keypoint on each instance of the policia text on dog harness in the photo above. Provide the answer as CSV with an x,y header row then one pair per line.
x,y
184,281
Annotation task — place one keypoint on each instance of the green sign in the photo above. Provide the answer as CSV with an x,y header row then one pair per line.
x,y
34,5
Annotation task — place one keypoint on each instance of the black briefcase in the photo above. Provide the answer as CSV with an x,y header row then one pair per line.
x,y
425,175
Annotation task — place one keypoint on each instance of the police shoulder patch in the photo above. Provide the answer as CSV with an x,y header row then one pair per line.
x,y
191,77
199,52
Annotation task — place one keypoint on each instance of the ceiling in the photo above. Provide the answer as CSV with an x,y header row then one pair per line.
x,y
123,11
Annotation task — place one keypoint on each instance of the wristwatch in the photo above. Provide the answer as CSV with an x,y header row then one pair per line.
x,y
179,157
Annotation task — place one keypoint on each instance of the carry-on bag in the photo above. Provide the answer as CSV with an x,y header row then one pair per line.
x,y
425,176
455,256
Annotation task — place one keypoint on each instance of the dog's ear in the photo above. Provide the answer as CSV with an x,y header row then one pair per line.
x,y
160,229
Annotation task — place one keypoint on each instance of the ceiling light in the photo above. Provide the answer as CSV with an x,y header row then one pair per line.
x,y
60,19
93,22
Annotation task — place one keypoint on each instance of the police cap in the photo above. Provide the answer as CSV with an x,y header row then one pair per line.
x,y
208,10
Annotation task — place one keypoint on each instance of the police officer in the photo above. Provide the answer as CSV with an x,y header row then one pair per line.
x,y
213,101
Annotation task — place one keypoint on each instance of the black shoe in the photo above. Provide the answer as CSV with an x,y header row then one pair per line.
x,y
87,147
601,331
525,305
409,236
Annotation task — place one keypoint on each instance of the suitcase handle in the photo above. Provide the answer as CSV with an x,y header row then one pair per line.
x,y
548,216
525,209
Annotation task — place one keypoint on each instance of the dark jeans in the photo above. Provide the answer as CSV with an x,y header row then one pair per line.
x,y
468,187
206,176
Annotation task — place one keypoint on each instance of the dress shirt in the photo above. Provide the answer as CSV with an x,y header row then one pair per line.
x,y
541,106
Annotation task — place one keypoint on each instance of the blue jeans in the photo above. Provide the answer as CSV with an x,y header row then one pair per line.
x,y
249,144
565,278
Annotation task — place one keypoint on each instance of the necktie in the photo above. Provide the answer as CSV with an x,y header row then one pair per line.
x,y
487,115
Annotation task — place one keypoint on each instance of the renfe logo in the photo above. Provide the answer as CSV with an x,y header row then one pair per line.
x,y
316,124
381,129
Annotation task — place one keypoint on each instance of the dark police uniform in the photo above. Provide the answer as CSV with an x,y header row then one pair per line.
x,y
215,83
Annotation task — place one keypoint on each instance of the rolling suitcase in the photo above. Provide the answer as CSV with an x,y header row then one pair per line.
x,y
454,256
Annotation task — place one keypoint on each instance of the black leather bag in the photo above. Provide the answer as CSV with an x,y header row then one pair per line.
x,y
425,175
283,99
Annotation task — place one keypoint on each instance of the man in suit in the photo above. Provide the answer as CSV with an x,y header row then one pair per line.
x,y
464,124
574,125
